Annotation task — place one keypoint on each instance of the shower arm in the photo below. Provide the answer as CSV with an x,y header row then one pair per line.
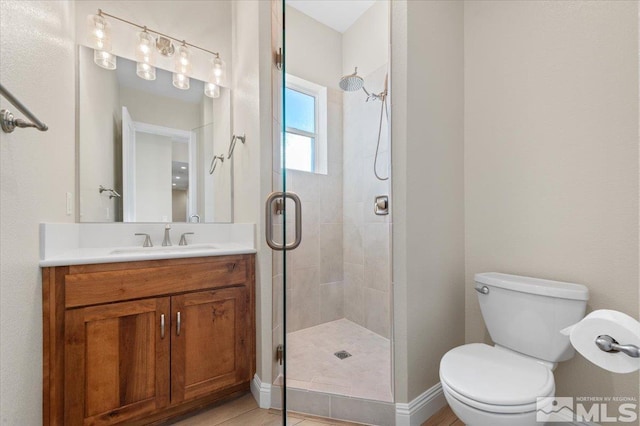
x,y
375,96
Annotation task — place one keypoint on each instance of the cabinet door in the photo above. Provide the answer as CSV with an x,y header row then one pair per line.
x,y
210,342
116,361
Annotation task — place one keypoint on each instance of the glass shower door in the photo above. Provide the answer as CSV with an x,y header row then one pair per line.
x,y
330,210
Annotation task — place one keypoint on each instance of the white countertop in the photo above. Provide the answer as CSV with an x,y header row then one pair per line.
x,y
81,244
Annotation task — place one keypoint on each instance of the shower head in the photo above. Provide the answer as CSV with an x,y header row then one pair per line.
x,y
351,82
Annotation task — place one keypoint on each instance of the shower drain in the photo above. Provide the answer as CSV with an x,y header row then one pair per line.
x,y
342,354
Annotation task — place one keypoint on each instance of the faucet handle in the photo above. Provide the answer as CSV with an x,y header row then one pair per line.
x,y
183,239
147,240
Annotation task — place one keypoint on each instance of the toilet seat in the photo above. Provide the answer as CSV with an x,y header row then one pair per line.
x,y
494,380
491,408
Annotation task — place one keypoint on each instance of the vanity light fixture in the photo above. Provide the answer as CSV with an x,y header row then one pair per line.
x,y
100,38
212,87
104,59
180,81
212,90
183,67
145,55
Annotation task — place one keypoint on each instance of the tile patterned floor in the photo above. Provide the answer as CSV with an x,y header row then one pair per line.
x,y
244,411
312,365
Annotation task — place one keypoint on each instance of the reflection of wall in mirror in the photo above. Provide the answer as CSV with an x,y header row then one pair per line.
x,y
220,189
101,147
179,205
146,107
153,178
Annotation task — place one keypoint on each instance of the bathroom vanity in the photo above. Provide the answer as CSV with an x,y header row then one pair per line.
x,y
136,342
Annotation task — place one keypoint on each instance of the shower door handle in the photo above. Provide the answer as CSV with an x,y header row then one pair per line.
x,y
269,210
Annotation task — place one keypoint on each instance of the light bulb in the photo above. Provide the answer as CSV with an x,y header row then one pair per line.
x,y
146,71
183,60
144,51
99,33
180,81
104,59
212,90
218,68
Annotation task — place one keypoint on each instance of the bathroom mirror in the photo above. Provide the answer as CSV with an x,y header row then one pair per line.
x,y
145,147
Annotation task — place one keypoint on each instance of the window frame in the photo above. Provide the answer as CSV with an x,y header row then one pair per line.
x,y
319,94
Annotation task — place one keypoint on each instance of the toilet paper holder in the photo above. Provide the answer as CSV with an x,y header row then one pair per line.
x,y
607,343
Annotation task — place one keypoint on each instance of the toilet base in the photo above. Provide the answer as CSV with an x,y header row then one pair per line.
x,y
473,417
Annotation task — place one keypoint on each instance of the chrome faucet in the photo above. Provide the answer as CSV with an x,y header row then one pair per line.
x,y
196,216
167,236
147,240
183,238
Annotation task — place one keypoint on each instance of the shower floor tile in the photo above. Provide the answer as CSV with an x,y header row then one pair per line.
x,y
312,365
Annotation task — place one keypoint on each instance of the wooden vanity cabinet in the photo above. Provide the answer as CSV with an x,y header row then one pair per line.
x,y
210,350
122,346
116,361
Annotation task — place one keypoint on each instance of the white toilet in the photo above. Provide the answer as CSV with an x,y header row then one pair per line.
x,y
499,385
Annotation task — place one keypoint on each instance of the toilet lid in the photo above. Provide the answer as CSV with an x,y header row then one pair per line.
x,y
494,376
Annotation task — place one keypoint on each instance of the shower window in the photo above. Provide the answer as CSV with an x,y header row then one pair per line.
x,y
306,125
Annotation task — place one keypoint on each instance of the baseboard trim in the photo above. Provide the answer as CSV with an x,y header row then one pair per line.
x,y
421,408
261,392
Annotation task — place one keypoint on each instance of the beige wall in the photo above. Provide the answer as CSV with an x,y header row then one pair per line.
x,y
366,43
252,115
36,170
428,217
310,42
551,157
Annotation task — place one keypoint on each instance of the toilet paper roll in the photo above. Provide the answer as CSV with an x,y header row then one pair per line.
x,y
623,328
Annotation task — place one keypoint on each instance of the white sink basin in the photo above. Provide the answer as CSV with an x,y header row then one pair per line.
x,y
165,250
63,244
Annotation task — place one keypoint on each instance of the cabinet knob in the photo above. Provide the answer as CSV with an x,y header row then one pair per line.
x,y
178,323
231,266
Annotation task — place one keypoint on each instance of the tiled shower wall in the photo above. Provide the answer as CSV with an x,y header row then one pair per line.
x,y
367,258
315,290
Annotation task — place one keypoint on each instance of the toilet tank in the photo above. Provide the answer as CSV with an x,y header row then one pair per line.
x,y
526,314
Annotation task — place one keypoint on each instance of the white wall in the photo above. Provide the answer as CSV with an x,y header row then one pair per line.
x,y
551,157
428,216
153,178
101,133
37,63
